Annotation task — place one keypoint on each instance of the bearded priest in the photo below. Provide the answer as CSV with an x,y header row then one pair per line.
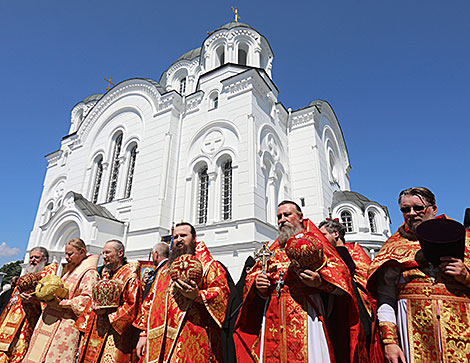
x,y
181,321
22,312
299,314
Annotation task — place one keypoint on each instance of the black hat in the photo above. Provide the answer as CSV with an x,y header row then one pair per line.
x,y
441,237
466,220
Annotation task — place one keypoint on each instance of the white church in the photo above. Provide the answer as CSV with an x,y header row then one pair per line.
x,y
209,143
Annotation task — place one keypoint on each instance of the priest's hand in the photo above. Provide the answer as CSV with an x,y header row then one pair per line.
x,y
262,284
310,278
54,302
455,267
28,298
393,354
141,344
188,290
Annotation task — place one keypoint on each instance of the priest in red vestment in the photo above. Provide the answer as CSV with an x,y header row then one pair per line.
x,y
55,339
181,322
358,263
291,315
109,334
423,308
22,312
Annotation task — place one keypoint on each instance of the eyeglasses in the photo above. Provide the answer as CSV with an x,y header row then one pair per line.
x,y
416,208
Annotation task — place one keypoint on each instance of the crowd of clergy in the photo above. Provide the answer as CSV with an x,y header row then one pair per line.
x,y
309,297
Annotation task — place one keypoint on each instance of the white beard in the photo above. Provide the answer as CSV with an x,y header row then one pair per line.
x,y
37,268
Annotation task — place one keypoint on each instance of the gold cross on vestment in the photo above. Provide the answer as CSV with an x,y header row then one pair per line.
x,y
109,83
273,330
295,331
235,11
427,291
264,254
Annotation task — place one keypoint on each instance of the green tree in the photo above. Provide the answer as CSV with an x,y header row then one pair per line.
x,y
11,269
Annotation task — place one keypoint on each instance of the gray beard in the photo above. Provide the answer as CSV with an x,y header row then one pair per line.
x,y
286,231
35,269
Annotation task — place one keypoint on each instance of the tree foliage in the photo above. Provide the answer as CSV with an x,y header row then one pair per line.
x,y
11,269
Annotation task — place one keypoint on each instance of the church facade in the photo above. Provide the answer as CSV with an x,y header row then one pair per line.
x,y
209,143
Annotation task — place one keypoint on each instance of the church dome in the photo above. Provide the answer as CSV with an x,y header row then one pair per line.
x,y
92,98
190,55
236,43
234,24
341,196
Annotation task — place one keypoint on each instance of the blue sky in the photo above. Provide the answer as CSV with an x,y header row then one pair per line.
x,y
395,72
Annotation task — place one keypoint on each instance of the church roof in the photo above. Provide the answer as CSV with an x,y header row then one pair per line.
x,y
156,84
91,209
356,198
92,98
190,55
315,103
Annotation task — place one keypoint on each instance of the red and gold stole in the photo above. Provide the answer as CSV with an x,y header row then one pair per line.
x,y
15,314
362,261
438,312
179,326
286,317
97,329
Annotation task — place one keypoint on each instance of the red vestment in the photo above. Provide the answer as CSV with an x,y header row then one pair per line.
x,y
435,309
181,330
286,319
17,323
362,261
110,337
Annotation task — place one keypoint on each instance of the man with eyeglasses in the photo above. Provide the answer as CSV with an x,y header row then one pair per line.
x,y
423,310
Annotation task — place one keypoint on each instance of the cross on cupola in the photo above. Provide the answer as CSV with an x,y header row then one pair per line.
x,y
237,17
109,83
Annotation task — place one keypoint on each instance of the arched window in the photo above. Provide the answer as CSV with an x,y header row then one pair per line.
x,y
48,212
347,221
242,54
372,223
226,190
130,171
97,182
220,54
202,195
213,101
115,168
183,86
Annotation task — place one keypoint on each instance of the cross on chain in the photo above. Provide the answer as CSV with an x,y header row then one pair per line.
x,y
263,254
279,284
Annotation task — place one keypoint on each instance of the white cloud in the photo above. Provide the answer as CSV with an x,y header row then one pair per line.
x,y
6,251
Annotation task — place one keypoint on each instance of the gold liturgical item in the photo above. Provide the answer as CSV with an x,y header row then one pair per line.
x,y
263,255
49,286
